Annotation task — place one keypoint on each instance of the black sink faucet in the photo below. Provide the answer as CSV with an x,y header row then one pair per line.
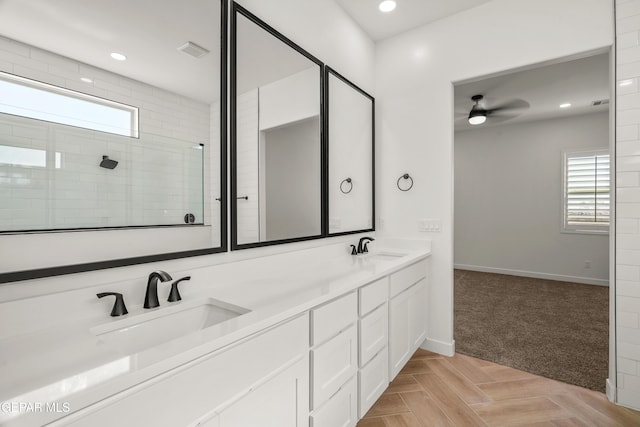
x,y
151,296
362,244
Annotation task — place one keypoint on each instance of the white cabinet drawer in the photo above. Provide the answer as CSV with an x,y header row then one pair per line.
x,y
332,364
373,333
373,295
403,279
373,380
340,410
329,319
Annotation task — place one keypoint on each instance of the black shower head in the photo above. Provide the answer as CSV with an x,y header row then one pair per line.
x,y
108,163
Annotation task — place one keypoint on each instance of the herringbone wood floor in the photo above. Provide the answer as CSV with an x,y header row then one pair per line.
x,y
463,391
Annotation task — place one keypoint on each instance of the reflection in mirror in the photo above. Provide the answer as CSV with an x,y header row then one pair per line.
x,y
276,136
350,121
90,143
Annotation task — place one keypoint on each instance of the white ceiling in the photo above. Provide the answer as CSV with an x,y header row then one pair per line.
x,y
578,82
147,31
407,15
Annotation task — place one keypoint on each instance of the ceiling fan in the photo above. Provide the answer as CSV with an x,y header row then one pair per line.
x,y
480,112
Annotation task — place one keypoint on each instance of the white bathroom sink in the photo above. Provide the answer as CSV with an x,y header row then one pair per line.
x,y
385,256
165,324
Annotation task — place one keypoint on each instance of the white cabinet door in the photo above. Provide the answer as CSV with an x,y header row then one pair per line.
x,y
407,325
399,350
281,401
417,314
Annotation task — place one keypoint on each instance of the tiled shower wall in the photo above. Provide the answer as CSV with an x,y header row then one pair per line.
x,y
247,168
628,202
159,176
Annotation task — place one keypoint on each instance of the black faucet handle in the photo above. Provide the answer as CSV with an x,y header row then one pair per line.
x,y
365,249
174,294
119,309
353,250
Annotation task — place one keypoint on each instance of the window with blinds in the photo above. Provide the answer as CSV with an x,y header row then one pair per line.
x,y
586,191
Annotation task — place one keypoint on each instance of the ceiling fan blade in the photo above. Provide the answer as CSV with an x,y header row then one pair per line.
x,y
515,104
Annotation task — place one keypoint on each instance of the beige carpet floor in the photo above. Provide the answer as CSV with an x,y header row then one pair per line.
x,y
555,329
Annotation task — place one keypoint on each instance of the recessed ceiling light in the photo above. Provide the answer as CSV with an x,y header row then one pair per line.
x,y
86,79
118,56
565,105
387,6
625,83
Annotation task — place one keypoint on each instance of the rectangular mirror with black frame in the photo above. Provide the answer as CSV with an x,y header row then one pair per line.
x,y
349,120
112,130
276,137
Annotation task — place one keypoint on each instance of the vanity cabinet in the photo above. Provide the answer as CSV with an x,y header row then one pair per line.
x,y
407,314
261,381
334,363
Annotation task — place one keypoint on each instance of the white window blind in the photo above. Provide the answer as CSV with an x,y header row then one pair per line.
x,y
586,195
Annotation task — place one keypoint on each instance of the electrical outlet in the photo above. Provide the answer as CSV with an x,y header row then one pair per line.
x,y
380,223
587,264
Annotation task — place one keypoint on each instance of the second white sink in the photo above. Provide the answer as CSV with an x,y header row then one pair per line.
x,y
163,325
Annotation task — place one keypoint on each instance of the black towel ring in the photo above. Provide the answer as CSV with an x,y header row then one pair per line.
x,y
348,181
405,177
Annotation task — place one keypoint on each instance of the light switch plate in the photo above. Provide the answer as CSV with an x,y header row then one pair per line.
x,y
430,225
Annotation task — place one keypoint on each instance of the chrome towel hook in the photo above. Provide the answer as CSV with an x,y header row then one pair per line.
x,y
406,177
350,185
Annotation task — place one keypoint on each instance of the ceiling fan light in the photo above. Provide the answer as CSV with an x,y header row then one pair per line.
x,y
477,120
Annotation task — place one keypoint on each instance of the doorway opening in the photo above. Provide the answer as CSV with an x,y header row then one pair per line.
x,y
532,213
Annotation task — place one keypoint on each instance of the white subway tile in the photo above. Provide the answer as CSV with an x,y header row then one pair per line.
x,y
628,117
626,40
627,9
627,257
628,351
627,179
628,320
628,55
628,132
627,24
628,210
627,71
628,272
628,289
630,86
628,164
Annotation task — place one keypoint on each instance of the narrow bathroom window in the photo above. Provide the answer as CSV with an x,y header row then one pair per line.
x,y
24,97
586,191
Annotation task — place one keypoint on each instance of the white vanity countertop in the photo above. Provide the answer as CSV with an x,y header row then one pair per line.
x,y
67,363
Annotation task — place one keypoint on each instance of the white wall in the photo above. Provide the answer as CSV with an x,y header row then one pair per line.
x,y
627,303
414,96
508,200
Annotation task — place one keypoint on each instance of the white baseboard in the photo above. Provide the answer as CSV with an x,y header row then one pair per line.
x,y
440,347
534,274
611,391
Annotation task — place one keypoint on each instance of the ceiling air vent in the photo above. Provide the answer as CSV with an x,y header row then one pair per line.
x,y
193,49
600,102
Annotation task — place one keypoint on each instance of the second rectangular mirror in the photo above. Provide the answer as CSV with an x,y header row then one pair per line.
x,y
276,137
350,134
